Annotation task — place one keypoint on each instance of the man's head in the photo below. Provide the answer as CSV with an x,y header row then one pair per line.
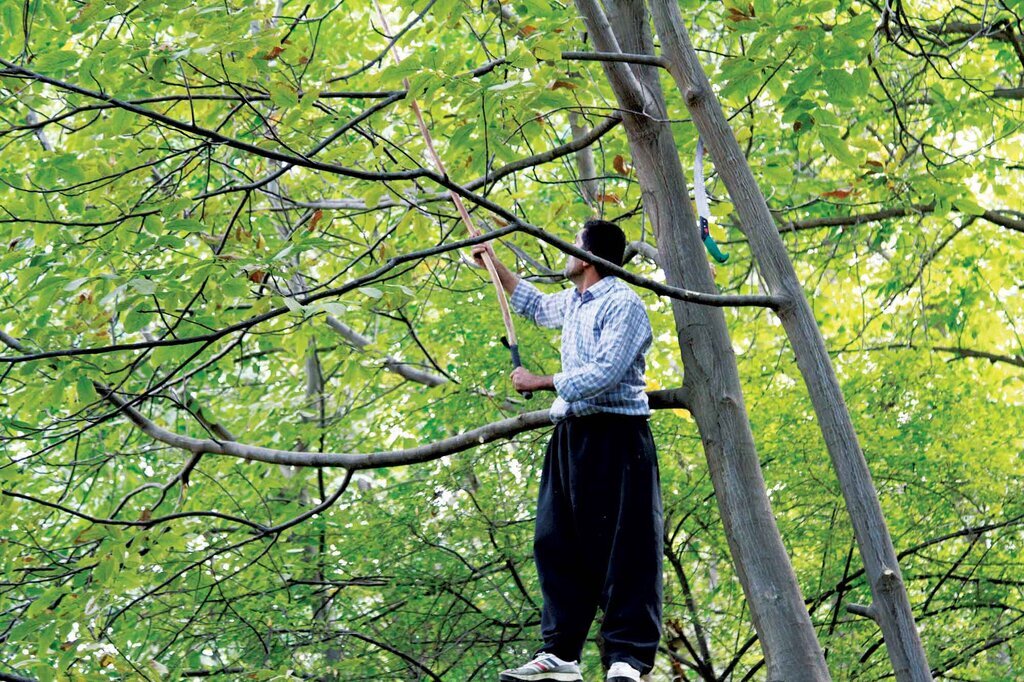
x,y
601,238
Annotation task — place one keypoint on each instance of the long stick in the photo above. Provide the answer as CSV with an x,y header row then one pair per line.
x,y
513,345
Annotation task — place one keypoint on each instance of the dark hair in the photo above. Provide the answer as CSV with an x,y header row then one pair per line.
x,y
606,240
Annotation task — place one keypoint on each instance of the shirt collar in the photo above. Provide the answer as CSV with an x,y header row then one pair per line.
x,y
596,290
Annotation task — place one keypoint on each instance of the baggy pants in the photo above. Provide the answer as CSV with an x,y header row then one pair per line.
x,y
598,540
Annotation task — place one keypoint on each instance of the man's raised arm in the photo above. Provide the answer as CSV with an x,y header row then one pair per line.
x,y
509,279
546,310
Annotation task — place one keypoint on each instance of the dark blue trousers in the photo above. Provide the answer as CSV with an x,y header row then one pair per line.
x,y
598,539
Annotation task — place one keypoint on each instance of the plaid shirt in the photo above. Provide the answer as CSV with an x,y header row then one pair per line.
x,y
605,333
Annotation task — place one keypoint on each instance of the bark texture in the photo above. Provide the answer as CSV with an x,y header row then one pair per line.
x,y
711,377
891,603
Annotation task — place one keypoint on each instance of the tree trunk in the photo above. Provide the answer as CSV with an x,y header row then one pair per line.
x,y
585,162
891,607
711,377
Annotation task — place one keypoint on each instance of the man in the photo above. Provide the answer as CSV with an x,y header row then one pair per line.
x,y
598,536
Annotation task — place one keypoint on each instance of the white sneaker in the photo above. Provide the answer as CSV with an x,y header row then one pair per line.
x,y
544,668
623,672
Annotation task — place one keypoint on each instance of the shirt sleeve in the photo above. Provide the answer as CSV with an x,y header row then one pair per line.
x,y
625,333
547,310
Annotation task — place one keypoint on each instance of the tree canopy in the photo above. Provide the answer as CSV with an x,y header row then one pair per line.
x,y
219,223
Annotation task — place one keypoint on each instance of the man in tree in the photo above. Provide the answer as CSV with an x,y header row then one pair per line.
x,y
598,536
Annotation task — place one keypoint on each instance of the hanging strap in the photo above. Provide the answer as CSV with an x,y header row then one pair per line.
x,y
703,213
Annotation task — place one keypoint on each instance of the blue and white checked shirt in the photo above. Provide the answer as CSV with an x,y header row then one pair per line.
x,y
605,333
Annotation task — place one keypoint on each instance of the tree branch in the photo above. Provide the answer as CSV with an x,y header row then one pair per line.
x,y
1015,360
214,136
505,428
699,297
402,369
578,144
648,59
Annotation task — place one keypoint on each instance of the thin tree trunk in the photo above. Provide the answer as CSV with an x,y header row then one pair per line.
x,y
891,608
711,377
584,162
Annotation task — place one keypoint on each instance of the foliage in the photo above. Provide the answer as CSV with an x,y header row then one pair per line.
x,y
194,170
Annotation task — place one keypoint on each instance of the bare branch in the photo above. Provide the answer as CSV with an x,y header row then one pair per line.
x,y
577,144
505,428
214,136
402,369
864,611
648,59
1015,360
699,297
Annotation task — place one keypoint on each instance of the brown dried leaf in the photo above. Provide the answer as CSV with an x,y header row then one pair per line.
x,y
619,164
274,52
317,215
736,14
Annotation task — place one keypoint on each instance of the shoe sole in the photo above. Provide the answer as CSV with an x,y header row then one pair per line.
x,y
540,677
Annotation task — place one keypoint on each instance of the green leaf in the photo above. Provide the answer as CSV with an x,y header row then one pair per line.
x,y
171,241
86,390
743,77
58,22
547,49
75,284
56,61
134,320
838,148
184,225
144,286
857,30
158,67
778,175
371,292
818,6
522,58
332,307
374,194
175,354
44,671
803,80
10,19
283,95
841,86
68,168
106,569
175,206
498,87
968,205
119,121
